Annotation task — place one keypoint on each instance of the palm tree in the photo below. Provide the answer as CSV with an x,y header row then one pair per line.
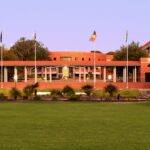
x,y
111,89
87,89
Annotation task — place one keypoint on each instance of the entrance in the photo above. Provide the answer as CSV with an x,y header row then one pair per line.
x,y
147,77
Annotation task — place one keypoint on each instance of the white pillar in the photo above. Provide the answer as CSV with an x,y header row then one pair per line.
x,y
104,74
135,74
57,72
25,74
45,78
84,74
15,73
73,72
5,74
79,74
50,74
114,74
35,76
124,74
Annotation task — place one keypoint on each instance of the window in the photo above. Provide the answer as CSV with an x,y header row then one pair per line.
x,y
89,59
65,58
54,58
82,59
76,58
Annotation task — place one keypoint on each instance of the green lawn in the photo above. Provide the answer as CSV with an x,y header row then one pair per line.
x,y
74,126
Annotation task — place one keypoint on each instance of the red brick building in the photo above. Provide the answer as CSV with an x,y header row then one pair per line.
x,y
76,69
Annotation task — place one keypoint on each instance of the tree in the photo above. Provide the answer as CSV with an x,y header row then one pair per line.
x,y
24,49
87,89
30,89
111,89
68,91
14,92
9,55
135,52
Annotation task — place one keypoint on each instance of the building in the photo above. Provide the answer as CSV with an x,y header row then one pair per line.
x,y
76,69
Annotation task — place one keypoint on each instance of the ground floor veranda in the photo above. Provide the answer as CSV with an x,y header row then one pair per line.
x,y
75,76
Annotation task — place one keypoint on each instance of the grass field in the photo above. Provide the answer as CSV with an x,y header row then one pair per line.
x,y
74,126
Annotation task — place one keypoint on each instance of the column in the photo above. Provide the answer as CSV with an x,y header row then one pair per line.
x,y
50,74
79,74
73,72
84,74
5,74
45,78
124,74
104,74
114,74
135,74
25,74
15,74
35,76
57,72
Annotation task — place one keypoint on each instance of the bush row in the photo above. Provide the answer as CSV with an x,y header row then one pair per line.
x,y
30,92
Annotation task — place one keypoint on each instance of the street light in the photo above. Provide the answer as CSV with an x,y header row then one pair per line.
x,y
15,79
109,77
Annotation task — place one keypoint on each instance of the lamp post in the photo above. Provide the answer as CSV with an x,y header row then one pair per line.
x,y
109,77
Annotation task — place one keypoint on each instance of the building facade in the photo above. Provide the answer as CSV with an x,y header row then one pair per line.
x,y
76,69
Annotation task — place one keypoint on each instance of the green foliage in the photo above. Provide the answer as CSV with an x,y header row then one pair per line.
x,y
29,89
74,98
68,91
111,89
2,97
37,98
9,55
96,51
129,93
56,92
5,91
110,53
24,49
14,92
100,93
87,89
135,52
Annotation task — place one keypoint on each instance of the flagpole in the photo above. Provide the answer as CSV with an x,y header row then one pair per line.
x,y
93,39
127,84
35,62
94,79
1,43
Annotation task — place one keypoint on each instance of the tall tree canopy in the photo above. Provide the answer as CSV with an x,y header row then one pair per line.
x,y
24,49
135,52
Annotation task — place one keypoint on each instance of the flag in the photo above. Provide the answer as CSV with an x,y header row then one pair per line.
x,y
34,36
1,37
93,37
127,36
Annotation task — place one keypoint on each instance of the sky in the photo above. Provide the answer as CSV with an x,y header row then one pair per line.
x,y
66,25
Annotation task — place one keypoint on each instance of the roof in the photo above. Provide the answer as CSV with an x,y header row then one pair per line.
x,y
70,63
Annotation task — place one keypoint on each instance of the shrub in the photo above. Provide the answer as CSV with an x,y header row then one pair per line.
x,y
74,98
2,97
68,91
129,93
29,89
37,98
100,93
54,98
14,92
56,92
111,89
87,89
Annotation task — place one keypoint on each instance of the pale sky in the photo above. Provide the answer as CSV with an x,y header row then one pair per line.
x,y
66,25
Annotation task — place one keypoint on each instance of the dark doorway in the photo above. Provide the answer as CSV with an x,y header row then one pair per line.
x,y
147,77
